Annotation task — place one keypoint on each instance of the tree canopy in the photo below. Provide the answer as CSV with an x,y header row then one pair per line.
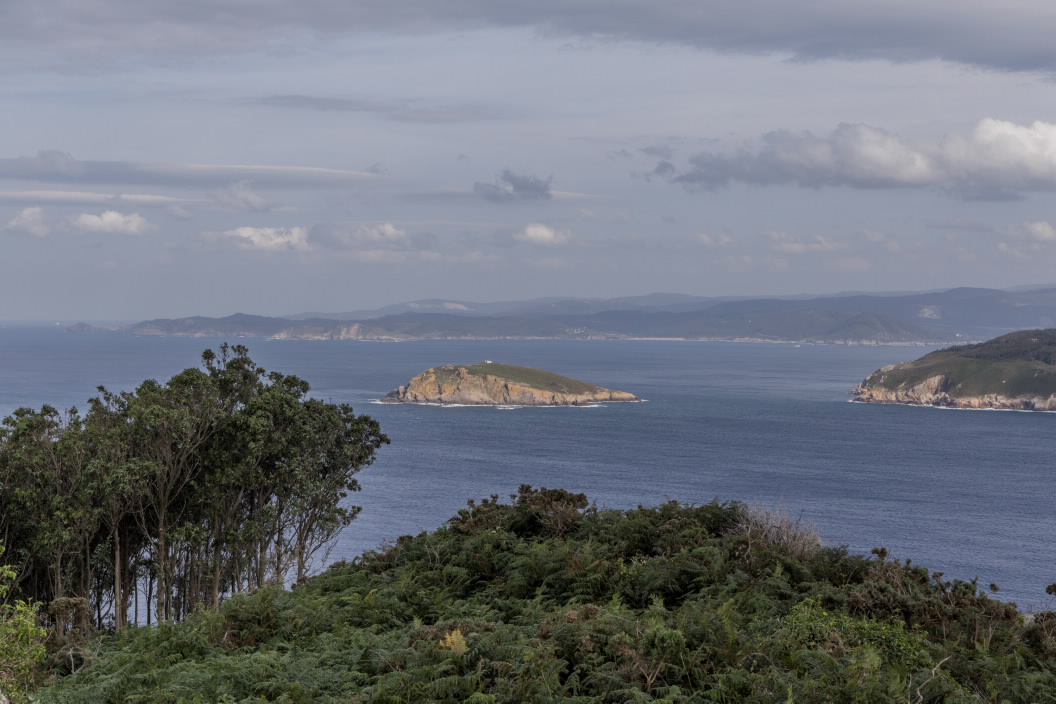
x,y
174,495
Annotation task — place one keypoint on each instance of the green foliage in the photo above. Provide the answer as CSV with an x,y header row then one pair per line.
x,y
21,640
548,598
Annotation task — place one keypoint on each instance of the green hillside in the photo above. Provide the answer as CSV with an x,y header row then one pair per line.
x,y
1020,363
548,599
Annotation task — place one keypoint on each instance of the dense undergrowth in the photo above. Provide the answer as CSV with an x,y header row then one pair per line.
x,y
549,600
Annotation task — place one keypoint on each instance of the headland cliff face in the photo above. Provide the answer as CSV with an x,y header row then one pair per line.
x,y
939,390
458,385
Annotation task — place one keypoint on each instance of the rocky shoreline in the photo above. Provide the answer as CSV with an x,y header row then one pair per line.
x,y
935,391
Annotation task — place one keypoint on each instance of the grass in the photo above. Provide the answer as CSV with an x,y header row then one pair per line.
x,y
534,378
1019,364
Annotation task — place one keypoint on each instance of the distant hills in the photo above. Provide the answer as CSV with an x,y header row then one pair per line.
x,y
937,317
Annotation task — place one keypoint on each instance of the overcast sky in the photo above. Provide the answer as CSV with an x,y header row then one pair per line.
x,y
163,158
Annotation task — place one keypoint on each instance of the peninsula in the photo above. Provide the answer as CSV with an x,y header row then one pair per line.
x,y
1012,372
493,384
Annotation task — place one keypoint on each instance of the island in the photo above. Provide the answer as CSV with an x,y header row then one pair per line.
x,y
492,384
1012,372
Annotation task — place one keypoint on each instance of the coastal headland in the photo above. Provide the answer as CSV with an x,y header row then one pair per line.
x,y
1012,372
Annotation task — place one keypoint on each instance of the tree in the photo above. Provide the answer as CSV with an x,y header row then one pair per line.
x,y
224,478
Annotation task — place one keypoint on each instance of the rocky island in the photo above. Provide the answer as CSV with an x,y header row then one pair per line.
x,y
1012,372
493,384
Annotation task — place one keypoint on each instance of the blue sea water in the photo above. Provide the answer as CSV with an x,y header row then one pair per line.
x,y
968,493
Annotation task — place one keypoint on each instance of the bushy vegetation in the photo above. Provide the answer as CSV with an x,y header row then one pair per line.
x,y
549,599
173,496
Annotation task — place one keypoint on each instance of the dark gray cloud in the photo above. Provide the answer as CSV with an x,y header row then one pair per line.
x,y
60,167
400,111
513,187
1017,35
998,160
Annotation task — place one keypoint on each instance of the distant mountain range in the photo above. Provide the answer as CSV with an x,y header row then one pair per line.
x,y
956,315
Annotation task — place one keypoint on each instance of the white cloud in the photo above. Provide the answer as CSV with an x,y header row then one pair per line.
x,y
267,239
1028,237
113,222
544,235
30,221
240,196
1040,231
997,159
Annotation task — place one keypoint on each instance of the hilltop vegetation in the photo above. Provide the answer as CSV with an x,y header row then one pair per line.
x,y
549,599
535,378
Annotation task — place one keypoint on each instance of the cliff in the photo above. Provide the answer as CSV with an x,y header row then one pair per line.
x,y
490,384
1011,372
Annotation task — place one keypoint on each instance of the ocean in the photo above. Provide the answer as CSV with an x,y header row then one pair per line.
x,y
967,493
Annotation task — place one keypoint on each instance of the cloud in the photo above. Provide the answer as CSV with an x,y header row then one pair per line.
x,y
399,111
543,235
266,239
113,222
240,196
787,244
659,152
512,187
375,236
720,240
1039,231
30,221
1018,34
1028,238
60,167
178,212
883,240
998,160
89,198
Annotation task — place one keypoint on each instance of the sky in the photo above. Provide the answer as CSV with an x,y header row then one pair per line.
x,y
166,159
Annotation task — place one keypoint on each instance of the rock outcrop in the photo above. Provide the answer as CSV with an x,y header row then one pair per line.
x,y
934,391
490,384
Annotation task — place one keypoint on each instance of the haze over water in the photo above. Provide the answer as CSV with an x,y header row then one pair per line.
x,y
968,493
